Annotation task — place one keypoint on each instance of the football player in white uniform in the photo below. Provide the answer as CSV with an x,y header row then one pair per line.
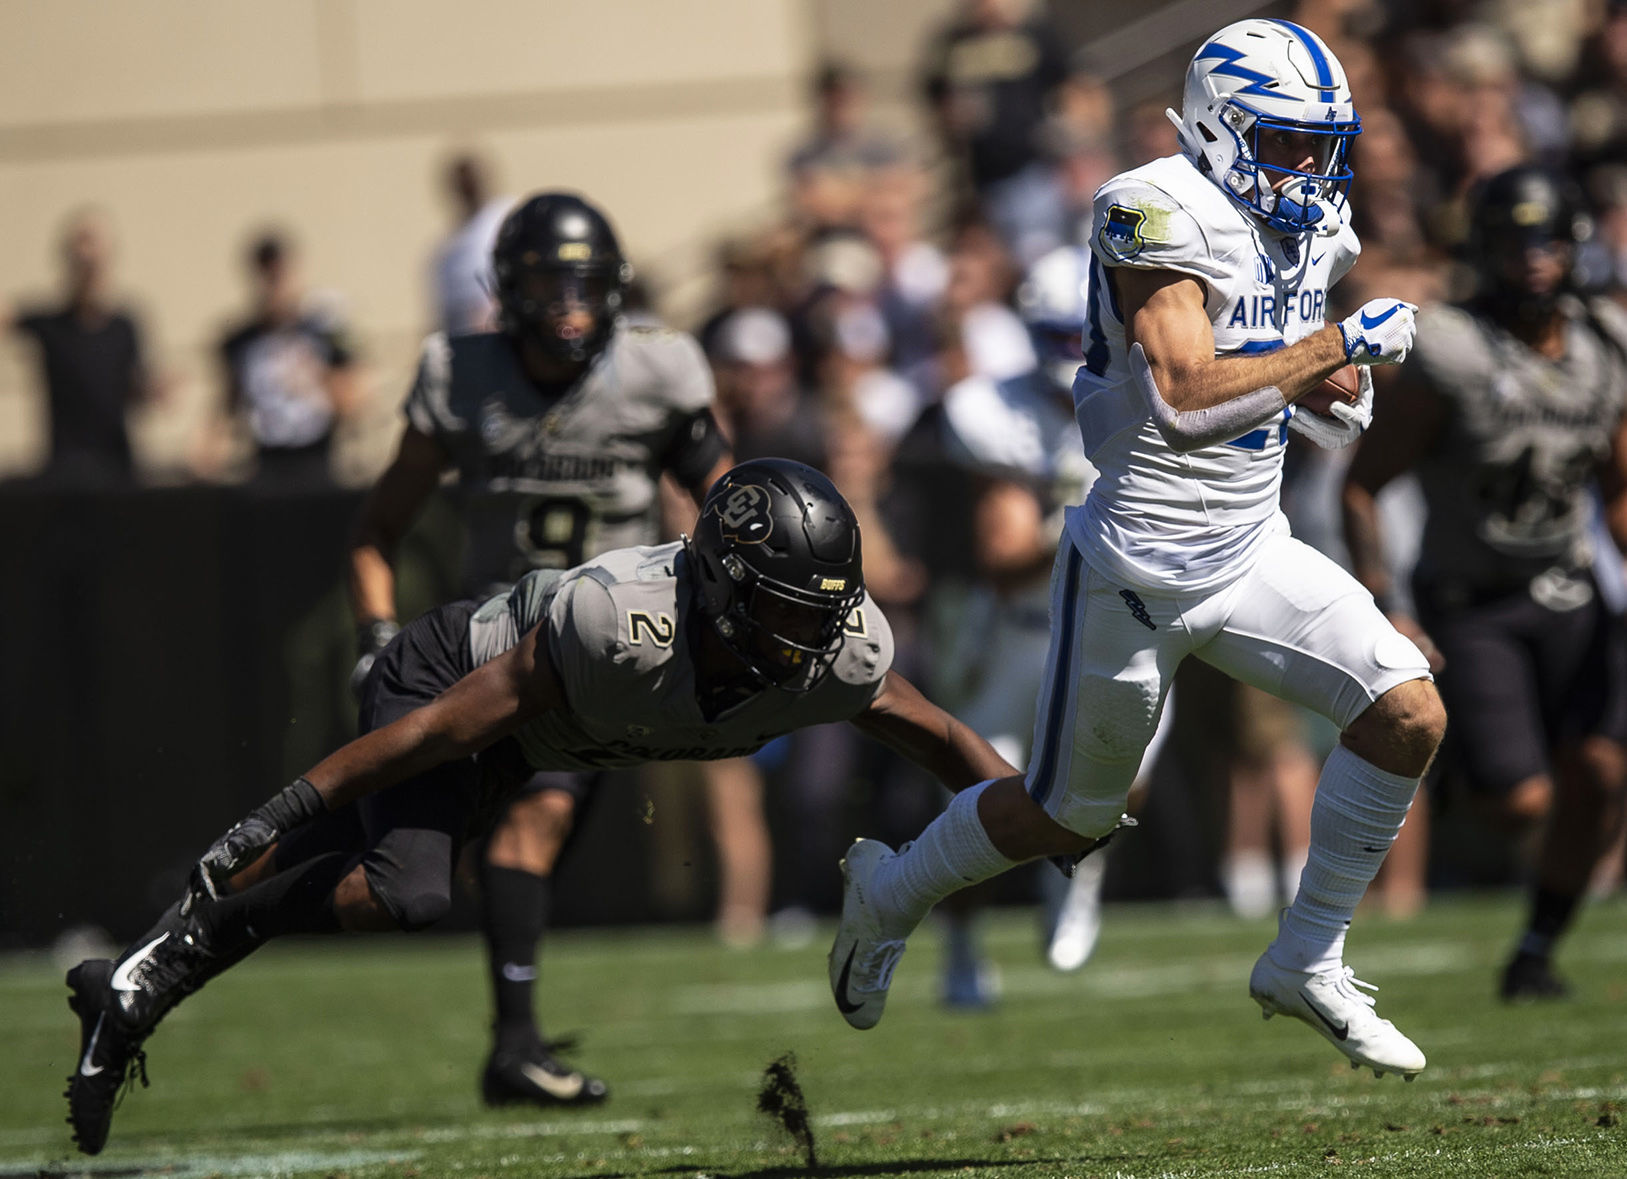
x,y
1210,276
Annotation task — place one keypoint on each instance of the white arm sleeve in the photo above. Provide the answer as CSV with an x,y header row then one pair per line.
x,y
1196,428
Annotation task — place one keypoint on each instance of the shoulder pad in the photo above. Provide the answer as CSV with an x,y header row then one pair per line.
x,y
665,366
1348,246
867,649
1610,316
429,402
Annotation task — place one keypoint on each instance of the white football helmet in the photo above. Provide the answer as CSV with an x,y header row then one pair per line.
x,y
1264,75
1054,302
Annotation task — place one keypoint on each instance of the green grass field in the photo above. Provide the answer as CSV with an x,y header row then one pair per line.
x,y
358,1058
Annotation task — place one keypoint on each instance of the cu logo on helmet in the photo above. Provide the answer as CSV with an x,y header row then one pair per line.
x,y
744,514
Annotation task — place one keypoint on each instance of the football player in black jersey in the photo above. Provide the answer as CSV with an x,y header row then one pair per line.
x,y
560,427
1511,412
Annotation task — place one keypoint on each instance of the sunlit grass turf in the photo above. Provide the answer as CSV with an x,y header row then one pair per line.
x,y
359,1057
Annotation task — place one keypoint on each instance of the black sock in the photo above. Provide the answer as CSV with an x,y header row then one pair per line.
x,y
1551,912
514,914
297,900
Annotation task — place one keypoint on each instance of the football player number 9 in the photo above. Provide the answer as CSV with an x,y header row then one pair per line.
x,y
553,532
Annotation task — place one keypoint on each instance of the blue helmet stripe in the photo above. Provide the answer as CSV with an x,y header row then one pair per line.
x,y
1324,72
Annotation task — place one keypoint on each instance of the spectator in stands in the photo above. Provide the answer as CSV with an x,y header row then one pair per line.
x,y
761,407
290,370
914,271
754,271
1607,186
828,170
1385,191
991,75
92,361
1148,134
982,277
1598,110
460,272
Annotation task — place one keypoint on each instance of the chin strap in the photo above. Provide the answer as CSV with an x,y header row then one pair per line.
x,y
1322,217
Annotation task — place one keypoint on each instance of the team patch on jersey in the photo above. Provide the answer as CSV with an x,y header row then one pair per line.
x,y
744,514
1120,234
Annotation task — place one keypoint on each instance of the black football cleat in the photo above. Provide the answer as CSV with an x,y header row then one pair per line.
x,y
110,1054
535,1076
172,960
1531,976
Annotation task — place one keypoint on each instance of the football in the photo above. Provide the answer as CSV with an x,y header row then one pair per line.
x,y
1343,385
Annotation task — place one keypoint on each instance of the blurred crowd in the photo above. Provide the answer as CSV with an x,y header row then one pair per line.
x,y
894,274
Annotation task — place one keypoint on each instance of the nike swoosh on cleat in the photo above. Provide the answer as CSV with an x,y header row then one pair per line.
x,y
85,1069
842,1003
121,976
1339,1033
562,1088
1316,259
1373,321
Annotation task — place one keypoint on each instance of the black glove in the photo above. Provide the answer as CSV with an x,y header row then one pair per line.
x,y
245,842
371,639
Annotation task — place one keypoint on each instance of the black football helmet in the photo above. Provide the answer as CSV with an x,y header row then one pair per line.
x,y
777,569
552,250
1514,211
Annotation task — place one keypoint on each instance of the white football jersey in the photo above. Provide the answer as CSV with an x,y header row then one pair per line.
x,y
1155,518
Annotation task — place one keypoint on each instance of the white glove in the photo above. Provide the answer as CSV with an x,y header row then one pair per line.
x,y
1380,332
1343,423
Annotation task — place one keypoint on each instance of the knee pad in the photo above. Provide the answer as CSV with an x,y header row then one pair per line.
x,y
414,903
1082,781
1116,718
421,910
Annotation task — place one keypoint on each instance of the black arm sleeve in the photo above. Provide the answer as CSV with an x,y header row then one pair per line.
x,y
697,444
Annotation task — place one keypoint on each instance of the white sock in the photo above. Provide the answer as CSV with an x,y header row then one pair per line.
x,y
1247,879
1359,808
951,853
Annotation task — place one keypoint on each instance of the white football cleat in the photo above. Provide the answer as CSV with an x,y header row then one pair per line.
x,y
1079,919
862,957
1330,1003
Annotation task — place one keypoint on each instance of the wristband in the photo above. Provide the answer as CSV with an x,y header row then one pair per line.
x,y
293,805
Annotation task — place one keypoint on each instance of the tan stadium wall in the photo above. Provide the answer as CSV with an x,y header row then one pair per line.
x,y
195,122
